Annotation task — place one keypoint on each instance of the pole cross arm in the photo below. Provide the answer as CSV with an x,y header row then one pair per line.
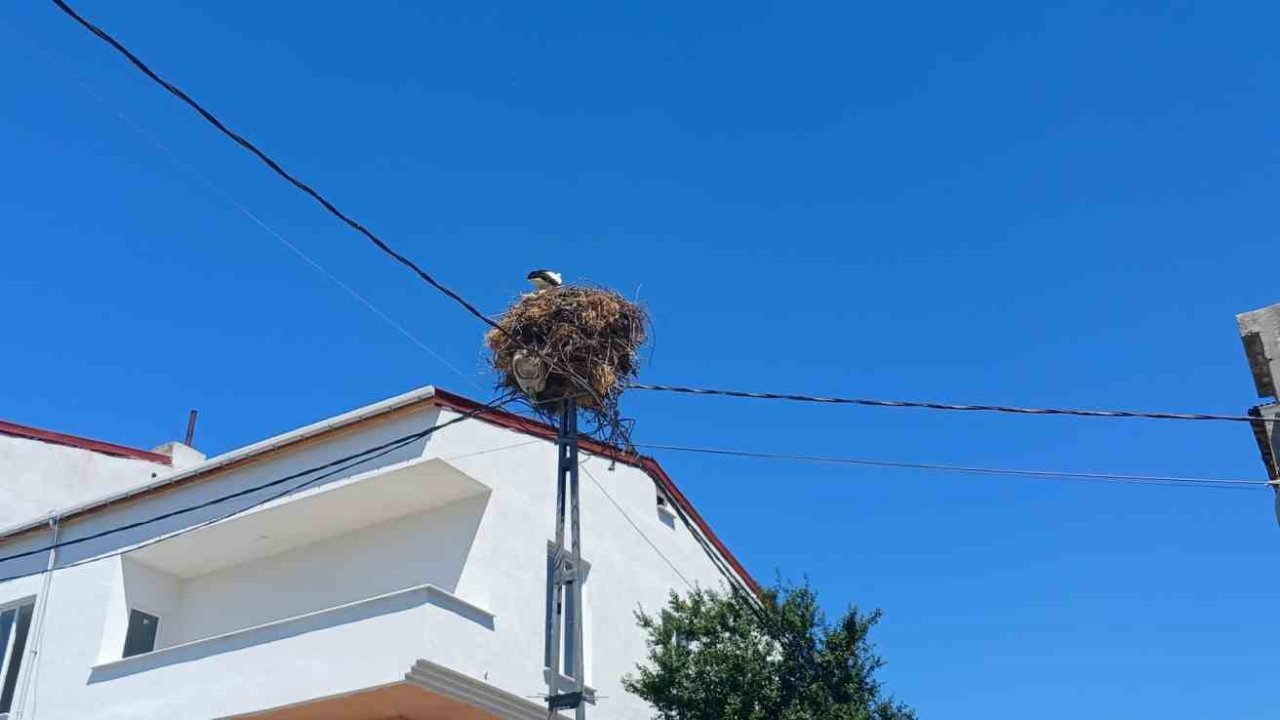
x,y
565,701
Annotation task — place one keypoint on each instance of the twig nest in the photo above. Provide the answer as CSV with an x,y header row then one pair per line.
x,y
570,341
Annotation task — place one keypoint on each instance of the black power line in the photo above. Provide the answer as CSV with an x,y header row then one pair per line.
x,y
583,384
340,465
245,143
333,209
873,402
736,583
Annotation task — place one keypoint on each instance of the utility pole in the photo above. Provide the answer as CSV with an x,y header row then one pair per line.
x,y
565,575
1260,333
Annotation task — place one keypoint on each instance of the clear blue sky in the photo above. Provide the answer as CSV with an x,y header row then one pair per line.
x,y
1001,202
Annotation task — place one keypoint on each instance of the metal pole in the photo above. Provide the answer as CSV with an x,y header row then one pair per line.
x,y
579,664
191,429
564,576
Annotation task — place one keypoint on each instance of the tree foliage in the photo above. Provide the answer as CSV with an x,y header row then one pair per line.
x,y
716,656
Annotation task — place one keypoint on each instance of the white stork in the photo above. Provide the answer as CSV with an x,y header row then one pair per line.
x,y
544,279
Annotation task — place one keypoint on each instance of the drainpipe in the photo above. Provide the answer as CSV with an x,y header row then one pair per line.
x,y
29,683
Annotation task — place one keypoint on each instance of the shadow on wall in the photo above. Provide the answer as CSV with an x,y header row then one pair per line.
x,y
378,561
283,629
261,473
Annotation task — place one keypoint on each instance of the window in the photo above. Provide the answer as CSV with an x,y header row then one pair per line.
x,y
666,513
141,636
15,623
572,616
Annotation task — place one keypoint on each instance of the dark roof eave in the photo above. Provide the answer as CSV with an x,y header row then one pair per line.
x,y
13,429
1262,434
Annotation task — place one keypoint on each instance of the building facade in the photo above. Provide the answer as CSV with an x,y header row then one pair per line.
x,y
1260,335
291,580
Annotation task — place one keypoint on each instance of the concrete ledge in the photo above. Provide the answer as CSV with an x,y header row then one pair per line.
x,y
291,626
477,693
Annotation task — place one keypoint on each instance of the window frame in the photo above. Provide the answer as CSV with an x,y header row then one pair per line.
x,y
13,649
666,513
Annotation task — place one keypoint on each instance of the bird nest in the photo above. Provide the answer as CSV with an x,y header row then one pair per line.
x,y
571,342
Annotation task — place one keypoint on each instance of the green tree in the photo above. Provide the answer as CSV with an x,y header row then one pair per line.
x,y
716,656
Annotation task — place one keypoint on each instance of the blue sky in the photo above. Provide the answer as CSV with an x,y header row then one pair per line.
x,y
1002,202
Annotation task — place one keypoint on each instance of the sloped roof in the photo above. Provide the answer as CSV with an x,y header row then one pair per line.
x,y
13,429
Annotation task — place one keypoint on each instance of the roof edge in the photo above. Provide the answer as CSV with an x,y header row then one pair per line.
x,y
427,394
52,437
248,453
649,465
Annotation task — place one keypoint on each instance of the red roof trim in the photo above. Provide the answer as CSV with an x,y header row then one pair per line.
x,y
75,441
651,467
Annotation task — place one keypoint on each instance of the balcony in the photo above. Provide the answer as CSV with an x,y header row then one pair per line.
x,y
336,591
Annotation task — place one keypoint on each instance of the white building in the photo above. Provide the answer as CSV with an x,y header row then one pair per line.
x,y
410,585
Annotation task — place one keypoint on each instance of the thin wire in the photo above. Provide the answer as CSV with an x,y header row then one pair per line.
x,y
872,402
360,298
487,451
271,163
228,198
1049,474
737,585
626,516
315,195
352,460
33,678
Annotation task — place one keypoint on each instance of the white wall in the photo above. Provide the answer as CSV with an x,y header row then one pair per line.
x,y
39,478
151,591
489,551
626,572
424,548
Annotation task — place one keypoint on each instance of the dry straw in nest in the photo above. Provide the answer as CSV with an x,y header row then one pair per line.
x,y
587,336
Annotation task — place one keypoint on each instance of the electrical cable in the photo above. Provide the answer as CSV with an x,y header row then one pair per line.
x,y
737,585
970,469
872,402
626,516
324,202
226,197
473,310
351,461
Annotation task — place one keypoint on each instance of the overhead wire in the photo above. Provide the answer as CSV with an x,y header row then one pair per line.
x,y
339,466
875,402
474,311
627,516
971,469
737,584
324,202
228,198
477,313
